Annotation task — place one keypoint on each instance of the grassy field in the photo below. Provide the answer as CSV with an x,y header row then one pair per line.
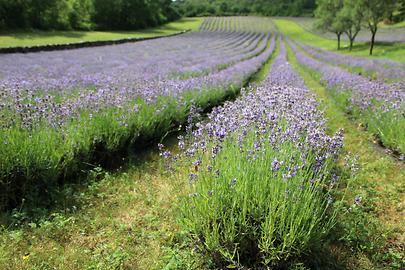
x,y
393,51
395,25
36,38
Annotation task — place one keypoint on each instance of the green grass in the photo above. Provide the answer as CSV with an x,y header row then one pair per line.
x,y
393,51
395,25
37,38
125,221
370,236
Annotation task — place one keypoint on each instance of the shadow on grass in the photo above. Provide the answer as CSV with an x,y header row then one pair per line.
x,y
142,156
35,34
378,46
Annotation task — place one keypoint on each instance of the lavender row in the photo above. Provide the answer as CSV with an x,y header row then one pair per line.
x,y
110,65
246,49
255,47
281,72
364,90
29,109
384,68
282,95
97,66
236,23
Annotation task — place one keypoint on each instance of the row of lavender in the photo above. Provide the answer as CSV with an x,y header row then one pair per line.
x,y
62,112
114,76
237,23
383,68
260,178
380,105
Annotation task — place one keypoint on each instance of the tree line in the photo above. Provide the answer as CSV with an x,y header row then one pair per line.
x,y
350,16
85,14
245,7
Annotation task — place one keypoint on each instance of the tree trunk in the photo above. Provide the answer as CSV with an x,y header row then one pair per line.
x,y
338,40
372,42
351,43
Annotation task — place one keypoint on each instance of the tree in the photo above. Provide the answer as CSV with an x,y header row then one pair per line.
x,y
374,12
401,10
351,17
328,19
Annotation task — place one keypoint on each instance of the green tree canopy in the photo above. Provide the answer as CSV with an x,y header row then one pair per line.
x,y
327,17
85,14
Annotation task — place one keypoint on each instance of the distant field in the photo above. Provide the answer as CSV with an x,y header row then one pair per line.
x,y
393,51
35,38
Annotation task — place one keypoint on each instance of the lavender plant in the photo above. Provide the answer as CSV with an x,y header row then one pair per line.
x,y
260,182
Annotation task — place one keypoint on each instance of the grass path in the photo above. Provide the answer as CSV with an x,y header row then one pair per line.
x,y
393,51
379,181
36,38
125,221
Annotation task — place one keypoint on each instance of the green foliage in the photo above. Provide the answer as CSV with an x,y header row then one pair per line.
x,y
348,16
351,18
374,12
130,14
85,14
326,13
393,51
244,7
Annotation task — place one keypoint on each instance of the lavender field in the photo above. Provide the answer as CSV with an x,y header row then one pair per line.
x,y
58,107
285,155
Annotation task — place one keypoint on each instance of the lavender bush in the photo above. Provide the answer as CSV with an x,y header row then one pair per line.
x,y
260,173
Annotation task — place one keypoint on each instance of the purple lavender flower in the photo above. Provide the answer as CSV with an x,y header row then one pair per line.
x,y
275,165
357,200
232,183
